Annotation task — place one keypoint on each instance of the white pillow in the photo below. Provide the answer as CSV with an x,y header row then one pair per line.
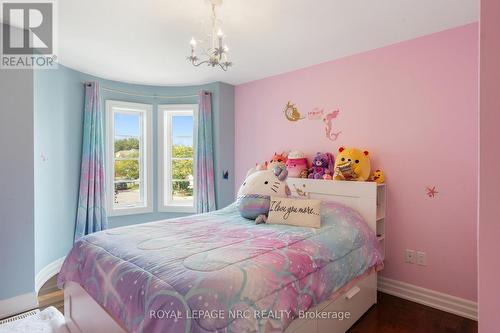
x,y
297,212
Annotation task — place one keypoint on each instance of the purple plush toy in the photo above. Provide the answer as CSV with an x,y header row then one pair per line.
x,y
322,165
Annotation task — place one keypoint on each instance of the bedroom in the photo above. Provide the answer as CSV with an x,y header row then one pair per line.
x,y
344,153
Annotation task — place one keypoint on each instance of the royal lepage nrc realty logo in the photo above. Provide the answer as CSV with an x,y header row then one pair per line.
x,y
28,34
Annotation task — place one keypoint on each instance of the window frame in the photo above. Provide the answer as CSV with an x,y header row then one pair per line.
x,y
167,111
146,160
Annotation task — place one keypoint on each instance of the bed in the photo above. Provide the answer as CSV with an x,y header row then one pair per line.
x,y
219,272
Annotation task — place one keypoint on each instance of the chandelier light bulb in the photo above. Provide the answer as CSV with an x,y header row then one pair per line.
x,y
219,33
192,42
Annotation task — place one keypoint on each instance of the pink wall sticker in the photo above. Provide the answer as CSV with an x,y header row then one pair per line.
x,y
431,191
315,114
291,112
328,120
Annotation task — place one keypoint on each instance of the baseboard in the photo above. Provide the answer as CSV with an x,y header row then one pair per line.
x,y
18,304
434,299
47,272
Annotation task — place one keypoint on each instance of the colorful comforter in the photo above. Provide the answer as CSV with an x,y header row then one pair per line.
x,y
219,271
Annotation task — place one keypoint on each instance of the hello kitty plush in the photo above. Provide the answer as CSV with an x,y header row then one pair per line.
x,y
254,195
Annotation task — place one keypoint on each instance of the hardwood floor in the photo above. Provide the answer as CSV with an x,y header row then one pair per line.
x,y
390,315
396,315
50,295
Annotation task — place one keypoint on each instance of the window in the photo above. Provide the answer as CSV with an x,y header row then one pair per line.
x,y
129,164
177,157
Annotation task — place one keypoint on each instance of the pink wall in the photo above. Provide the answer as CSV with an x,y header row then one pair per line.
x,y
413,105
489,183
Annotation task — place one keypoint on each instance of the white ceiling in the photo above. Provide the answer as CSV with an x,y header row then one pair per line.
x,y
147,41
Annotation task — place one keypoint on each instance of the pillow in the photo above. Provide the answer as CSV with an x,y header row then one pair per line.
x,y
297,212
253,205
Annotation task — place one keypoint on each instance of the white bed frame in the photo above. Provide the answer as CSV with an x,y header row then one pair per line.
x,y
84,315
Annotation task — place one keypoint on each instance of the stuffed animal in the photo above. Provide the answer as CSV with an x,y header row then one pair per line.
x,y
254,195
352,164
378,177
327,176
322,164
277,160
261,166
304,174
295,164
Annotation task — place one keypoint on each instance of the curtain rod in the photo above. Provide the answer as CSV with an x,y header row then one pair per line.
x,y
142,95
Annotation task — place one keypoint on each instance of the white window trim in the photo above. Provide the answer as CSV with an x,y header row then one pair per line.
x,y
164,177
147,171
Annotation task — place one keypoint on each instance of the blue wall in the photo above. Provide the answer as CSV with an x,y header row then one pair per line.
x,y
58,109
58,131
224,144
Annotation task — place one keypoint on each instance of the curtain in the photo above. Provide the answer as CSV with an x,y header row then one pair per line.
x,y
205,191
91,215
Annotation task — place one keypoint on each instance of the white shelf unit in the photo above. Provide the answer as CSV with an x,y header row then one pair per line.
x,y
381,211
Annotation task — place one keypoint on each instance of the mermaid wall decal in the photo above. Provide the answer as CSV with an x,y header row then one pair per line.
x,y
328,120
292,113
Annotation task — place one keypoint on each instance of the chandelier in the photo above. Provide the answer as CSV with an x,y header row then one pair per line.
x,y
216,54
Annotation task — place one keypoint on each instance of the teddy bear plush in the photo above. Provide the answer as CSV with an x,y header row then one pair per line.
x,y
254,195
322,165
352,164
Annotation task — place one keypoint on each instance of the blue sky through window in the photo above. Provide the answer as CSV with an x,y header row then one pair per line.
x,y
128,125
182,130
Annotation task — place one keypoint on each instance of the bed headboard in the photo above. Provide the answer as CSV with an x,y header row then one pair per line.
x,y
361,196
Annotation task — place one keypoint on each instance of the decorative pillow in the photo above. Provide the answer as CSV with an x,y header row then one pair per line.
x,y
253,205
297,212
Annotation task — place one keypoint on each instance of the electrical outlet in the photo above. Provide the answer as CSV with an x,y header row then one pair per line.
x,y
409,256
421,258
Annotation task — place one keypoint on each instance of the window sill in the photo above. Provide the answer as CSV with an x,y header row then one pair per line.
x,y
130,211
177,209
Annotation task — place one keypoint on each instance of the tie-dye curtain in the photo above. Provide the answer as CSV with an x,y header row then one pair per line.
x,y
91,215
205,191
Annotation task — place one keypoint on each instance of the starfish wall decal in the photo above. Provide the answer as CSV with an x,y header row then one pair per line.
x,y
431,191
